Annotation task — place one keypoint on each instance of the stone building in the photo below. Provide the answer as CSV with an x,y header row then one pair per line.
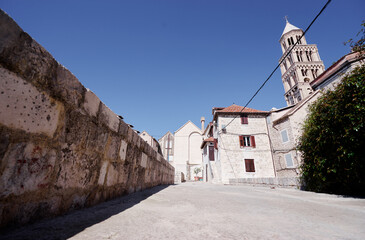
x,y
241,146
299,67
285,125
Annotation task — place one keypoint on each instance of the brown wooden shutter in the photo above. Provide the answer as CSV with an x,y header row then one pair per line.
x,y
211,153
241,141
250,166
215,143
244,119
253,144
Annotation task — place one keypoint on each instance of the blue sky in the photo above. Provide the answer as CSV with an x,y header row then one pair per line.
x,y
160,63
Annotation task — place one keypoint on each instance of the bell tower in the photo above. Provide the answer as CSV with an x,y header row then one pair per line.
x,y
300,67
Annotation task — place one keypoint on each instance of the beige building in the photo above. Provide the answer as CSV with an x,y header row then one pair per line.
x,y
187,154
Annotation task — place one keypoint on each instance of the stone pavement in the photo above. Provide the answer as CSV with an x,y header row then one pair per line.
x,y
206,211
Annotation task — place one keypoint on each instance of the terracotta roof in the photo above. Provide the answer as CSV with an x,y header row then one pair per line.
x,y
238,109
211,139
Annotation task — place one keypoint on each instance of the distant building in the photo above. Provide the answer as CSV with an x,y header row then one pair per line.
x,y
167,146
151,141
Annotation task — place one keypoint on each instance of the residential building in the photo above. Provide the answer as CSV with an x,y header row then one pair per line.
x,y
240,140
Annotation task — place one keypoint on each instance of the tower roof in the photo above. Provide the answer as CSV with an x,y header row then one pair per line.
x,y
289,27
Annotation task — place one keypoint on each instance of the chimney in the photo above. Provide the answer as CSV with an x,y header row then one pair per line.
x,y
202,120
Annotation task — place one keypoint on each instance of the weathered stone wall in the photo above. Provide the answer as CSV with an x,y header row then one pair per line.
x,y
61,148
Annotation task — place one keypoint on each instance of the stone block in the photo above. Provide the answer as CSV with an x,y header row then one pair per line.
x,y
144,160
123,150
26,167
103,171
9,30
68,87
112,147
123,129
91,103
113,174
77,168
23,107
109,118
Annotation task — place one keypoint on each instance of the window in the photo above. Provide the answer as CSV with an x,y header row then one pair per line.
x,y
247,141
215,143
249,165
205,150
298,39
291,99
309,55
289,160
284,136
211,153
244,119
168,144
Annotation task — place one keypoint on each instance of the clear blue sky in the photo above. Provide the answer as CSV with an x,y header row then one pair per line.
x,y
161,63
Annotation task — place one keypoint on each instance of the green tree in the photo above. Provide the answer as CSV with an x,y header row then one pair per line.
x,y
333,139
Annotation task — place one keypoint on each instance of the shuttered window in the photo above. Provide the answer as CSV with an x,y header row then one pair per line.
x,y
247,141
249,165
215,143
211,153
244,119
289,160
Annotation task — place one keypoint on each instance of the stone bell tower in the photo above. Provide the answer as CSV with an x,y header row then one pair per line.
x,y
300,67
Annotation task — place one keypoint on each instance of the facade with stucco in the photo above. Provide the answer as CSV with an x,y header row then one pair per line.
x,y
187,154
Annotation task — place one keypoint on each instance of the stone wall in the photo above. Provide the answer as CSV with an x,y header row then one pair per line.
x,y
61,148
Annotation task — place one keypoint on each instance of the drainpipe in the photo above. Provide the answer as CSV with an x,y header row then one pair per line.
x,y
271,148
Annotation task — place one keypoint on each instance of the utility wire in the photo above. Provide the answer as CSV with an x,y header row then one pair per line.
x,y
272,73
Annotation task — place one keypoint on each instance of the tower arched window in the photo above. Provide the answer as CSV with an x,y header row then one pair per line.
x,y
309,55
299,56
295,77
289,82
298,39
290,60
284,45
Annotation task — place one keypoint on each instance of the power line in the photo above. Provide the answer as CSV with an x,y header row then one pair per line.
x,y
272,73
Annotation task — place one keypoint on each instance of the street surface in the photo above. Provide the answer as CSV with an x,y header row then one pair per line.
x,y
205,211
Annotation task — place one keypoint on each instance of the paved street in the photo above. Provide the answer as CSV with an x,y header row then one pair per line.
x,y
205,211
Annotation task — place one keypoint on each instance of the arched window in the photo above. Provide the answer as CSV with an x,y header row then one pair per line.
x,y
284,63
289,82
290,59
284,45
309,55
295,77
298,39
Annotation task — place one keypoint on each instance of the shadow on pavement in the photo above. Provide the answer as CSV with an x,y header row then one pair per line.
x,y
70,224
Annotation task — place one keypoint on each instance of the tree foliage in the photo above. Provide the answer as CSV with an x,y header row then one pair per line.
x,y
333,139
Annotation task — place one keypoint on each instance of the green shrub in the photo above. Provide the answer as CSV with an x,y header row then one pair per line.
x,y
333,139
